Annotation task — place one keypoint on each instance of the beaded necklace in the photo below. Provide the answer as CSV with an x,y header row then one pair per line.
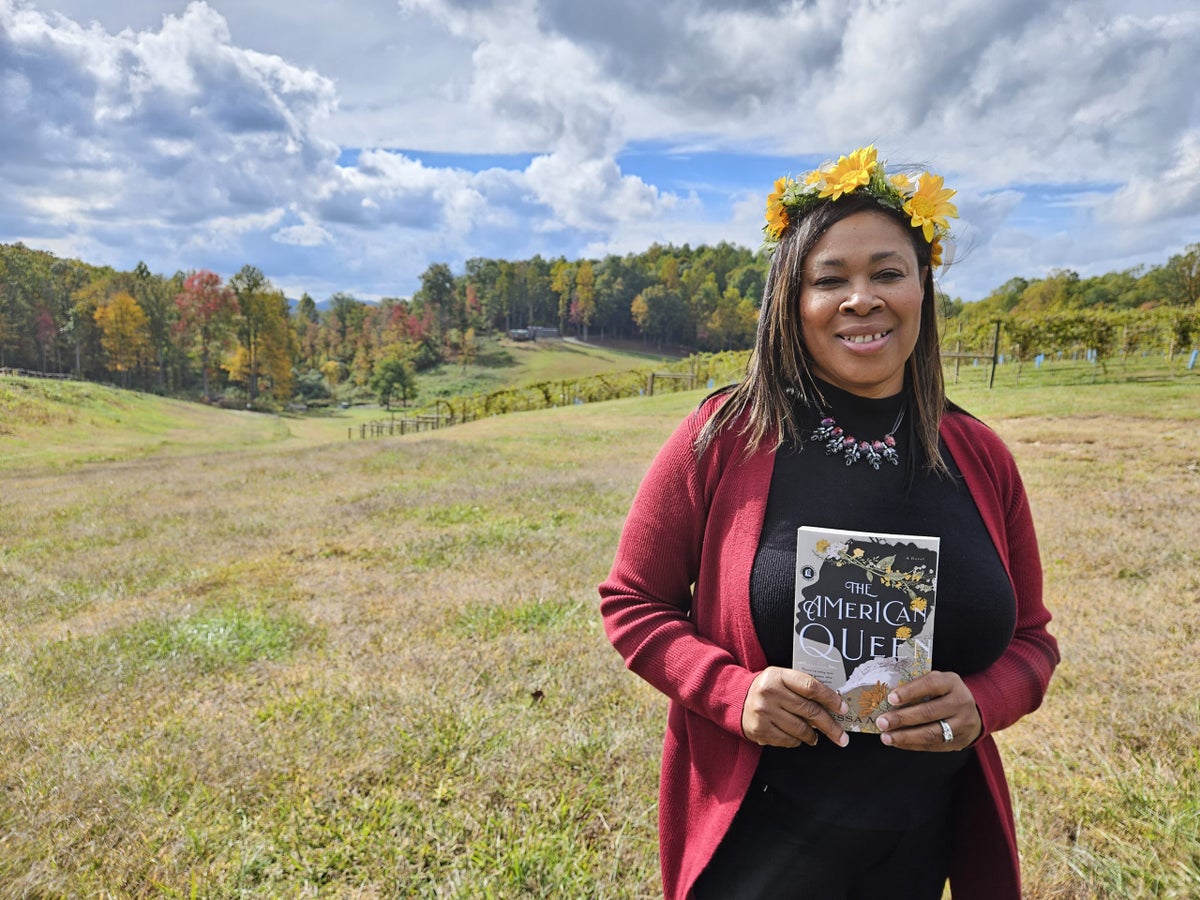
x,y
836,440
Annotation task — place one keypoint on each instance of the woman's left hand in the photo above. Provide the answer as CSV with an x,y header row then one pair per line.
x,y
922,706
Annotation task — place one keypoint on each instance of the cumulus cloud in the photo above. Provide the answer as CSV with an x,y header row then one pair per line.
x,y
218,129
175,125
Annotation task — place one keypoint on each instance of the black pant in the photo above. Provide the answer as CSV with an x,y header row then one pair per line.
x,y
773,852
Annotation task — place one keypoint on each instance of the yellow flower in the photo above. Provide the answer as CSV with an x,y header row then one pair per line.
x,y
777,215
918,605
822,545
935,253
858,552
849,172
930,205
904,632
903,183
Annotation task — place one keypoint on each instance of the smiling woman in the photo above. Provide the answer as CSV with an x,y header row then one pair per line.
x,y
860,304
701,599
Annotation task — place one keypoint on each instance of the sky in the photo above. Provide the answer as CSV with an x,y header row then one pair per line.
x,y
346,145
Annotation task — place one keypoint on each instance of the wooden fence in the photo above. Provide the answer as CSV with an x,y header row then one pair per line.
x,y
711,369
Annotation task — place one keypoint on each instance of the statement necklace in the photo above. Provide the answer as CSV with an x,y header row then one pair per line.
x,y
830,433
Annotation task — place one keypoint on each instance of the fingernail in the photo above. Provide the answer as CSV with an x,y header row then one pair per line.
x,y
845,708
886,738
843,740
882,722
894,698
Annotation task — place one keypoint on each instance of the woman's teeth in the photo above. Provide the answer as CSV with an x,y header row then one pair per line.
x,y
864,338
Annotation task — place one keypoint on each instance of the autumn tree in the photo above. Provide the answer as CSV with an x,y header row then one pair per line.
x,y
562,277
206,314
123,333
583,310
45,329
267,344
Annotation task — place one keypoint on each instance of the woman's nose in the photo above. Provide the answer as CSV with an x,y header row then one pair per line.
x,y
861,300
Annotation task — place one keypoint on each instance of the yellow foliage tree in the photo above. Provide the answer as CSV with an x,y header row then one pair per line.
x,y
267,344
123,333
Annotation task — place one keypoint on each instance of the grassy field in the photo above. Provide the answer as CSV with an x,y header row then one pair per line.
x,y
244,657
501,363
68,422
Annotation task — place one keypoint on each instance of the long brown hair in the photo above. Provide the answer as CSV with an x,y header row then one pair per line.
x,y
779,375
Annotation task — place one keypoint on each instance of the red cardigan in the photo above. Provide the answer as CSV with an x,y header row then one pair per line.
x,y
697,521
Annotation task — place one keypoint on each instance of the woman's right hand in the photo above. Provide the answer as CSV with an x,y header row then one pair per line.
x,y
787,708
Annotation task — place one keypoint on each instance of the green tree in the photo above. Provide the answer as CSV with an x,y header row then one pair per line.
x,y
732,323
660,313
1056,293
438,294
154,295
393,376
1183,275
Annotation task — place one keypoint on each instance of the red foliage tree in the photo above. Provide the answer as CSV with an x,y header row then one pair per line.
x,y
206,311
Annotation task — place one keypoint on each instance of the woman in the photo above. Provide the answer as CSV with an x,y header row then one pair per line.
x,y
700,600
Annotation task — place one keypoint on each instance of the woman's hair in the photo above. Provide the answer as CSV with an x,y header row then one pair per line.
x,y
779,376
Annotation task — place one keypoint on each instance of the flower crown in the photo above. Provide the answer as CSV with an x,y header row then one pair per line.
x,y
925,201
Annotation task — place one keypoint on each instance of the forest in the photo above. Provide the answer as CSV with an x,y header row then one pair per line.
x,y
241,342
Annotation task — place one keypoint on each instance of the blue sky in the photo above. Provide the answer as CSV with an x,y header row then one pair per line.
x,y
348,148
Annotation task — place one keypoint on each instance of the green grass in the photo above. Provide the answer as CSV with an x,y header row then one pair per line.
x,y
65,423
254,664
501,364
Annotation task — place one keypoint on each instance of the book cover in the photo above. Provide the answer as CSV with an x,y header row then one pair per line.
x,y
864,614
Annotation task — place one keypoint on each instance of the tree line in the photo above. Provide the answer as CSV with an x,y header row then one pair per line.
x,y
241,340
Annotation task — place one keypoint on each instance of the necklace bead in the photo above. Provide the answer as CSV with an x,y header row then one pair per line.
x,y
875,453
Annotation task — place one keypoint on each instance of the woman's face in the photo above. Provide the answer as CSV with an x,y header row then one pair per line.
x,y
860,304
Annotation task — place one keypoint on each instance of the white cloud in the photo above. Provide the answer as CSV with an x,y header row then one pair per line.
x,y
1156,195
209,134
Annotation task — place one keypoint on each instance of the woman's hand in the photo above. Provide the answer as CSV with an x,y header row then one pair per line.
x,y
787,708
924,704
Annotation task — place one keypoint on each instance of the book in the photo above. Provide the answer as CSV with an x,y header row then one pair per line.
x,y
864,616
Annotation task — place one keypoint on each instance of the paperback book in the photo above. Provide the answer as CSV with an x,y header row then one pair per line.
x,y
865,605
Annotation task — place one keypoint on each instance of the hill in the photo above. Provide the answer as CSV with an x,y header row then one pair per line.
x,y
61,422
501,363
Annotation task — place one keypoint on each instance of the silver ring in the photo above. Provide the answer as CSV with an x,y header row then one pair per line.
x,y
947,731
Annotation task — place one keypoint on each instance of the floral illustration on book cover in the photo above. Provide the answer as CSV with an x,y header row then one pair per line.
x,y
864,614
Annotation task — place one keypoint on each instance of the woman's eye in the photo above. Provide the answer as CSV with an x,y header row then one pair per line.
x,y
890,275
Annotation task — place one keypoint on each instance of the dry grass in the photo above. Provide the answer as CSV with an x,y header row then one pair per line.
x,y
375,669
1108,774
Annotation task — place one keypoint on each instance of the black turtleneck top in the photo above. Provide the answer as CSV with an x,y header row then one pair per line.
x,y
868,784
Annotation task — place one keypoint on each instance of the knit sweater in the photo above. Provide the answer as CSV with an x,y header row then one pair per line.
x,y
676,607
